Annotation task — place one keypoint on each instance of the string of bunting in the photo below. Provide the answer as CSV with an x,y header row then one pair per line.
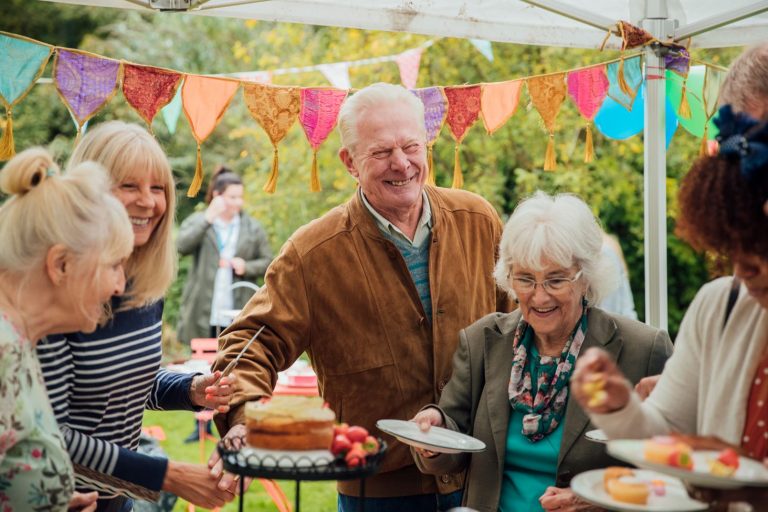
x,y
605,95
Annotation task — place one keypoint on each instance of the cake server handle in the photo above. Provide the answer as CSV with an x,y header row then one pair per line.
x,y
231,365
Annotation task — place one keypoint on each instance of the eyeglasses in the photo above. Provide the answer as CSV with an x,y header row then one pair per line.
x,y
553,285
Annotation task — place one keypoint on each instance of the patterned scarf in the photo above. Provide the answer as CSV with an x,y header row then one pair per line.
x,y
544,412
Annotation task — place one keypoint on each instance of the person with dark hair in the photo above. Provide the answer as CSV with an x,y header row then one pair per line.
x,y
227,246
716,382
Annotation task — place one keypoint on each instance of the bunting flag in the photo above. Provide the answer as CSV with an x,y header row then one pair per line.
x,y
172,111
318,115
483,47
435,109
275,109
337,74
547,95
84,82
499,102
149,89
463,109
204,99
408,63
588,89
628,73
713,79
22,62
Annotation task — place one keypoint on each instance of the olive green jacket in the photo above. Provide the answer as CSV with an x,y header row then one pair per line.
x,y
197,238
476,400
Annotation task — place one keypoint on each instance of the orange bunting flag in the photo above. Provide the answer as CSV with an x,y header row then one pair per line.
x,y
588,89
499,102
205,99
149,89
547,95
463,110
276,110
319,112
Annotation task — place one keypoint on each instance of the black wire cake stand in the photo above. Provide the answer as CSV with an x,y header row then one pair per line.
x,y
240,459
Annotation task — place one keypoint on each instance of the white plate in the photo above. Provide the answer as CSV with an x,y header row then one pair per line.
x,y
589,486
750,472
440,440
597,435
285,458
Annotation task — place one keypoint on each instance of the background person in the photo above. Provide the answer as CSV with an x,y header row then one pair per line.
x,y
511,371
100,382
715,384
227,246
65,240
375,292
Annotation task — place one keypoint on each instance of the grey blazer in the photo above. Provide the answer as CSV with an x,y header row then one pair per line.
x,y
475,400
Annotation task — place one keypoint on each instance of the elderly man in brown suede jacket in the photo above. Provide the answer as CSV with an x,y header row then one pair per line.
x,y
375,291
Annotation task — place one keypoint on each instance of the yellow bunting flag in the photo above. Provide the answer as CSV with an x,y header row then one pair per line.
x,y
547,95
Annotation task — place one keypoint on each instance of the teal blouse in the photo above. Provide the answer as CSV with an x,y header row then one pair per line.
x,y
529,468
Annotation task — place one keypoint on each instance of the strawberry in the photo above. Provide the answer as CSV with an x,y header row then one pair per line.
x,y
729,457
340,428
357,434
355,456
341,444
680,459
371,445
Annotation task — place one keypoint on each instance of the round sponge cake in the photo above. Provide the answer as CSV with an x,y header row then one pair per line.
x,y
289,423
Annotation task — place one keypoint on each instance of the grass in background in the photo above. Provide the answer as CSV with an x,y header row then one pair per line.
x,y
315,496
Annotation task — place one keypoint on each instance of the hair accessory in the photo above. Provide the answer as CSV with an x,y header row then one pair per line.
x,y
742,138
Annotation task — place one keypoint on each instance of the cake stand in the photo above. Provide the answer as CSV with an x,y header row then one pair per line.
x,y
240,460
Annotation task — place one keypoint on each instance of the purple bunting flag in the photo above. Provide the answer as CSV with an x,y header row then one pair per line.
x,y
85,82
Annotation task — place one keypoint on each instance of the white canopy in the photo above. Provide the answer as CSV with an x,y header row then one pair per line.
x,y
509,21
567,23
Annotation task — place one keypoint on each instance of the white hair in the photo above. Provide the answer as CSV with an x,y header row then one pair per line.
x,y
377,95
560,229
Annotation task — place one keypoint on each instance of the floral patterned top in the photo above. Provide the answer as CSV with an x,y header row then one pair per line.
x,y
35,472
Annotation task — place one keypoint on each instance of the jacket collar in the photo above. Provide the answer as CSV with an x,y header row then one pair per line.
x,y
361,218
601,332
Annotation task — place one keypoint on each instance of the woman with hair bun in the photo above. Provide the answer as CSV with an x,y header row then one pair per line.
x,y
100,382
65,239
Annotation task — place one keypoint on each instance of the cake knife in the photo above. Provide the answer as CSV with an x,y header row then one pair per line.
x,y
231,366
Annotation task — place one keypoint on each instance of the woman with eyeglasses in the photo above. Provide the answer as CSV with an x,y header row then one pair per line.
x,y
511,371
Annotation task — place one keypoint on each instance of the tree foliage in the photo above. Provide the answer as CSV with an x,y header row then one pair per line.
x,y
503,168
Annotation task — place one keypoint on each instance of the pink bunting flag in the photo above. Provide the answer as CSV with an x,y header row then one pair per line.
x,y
588,89
409,62
319,112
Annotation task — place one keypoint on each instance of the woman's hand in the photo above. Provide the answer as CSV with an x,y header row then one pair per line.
x,y
598,384
215,209
83,502
195,484
238,266
563,500
646,385
211,392
427,419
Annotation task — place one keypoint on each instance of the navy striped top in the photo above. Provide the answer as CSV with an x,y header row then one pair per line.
x,y
99,385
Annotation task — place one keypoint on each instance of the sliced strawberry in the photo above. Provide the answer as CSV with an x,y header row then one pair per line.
x,y
729,457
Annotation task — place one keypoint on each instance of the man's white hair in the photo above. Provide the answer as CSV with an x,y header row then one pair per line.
x,y
374,96
560,229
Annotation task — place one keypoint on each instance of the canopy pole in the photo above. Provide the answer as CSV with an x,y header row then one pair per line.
x,y
655,168
575,13
714,22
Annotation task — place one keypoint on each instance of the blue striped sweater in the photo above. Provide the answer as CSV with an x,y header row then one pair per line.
x,y
99,385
